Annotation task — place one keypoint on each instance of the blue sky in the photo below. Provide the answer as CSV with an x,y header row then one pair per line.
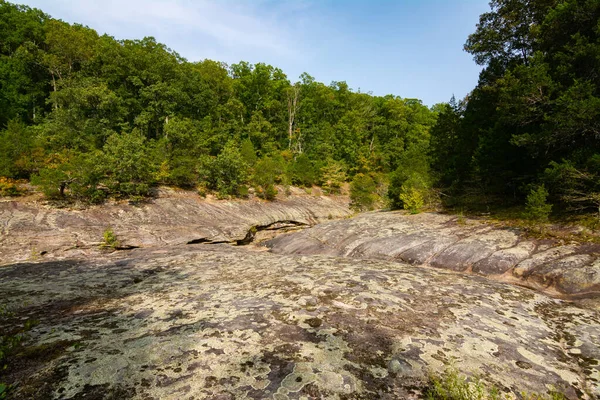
x,y
409,48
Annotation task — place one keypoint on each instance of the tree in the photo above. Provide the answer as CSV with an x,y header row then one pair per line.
x,y
129,166
69,46
226,173
536,208
333,175
293,95
302,171
363,193
17,144
265,175
508,32
413,193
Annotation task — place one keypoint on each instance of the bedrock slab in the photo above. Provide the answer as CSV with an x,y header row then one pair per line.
x,y
33,231
562,270
222,322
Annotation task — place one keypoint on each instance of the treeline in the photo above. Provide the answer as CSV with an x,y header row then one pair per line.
x,y
87,116
531,127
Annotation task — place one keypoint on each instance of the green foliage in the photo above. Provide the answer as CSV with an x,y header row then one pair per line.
x,y
248,153
577,188
109,239
143,116
452,385
413,193
363,193
52,181
536,208
9,188
533,114
129,166
302,171
333,175
226,173
266,172
411,180
17,145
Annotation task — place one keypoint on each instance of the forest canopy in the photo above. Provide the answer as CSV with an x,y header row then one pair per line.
x,y
87,116
90,116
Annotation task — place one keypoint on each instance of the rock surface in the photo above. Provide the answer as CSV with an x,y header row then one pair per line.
x,y
568,271
342,315
32,231
222,322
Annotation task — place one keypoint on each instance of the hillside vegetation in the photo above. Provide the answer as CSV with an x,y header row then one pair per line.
x,y
88,117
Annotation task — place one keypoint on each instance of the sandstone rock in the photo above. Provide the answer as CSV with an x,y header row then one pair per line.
x,y
30,229
206,321
569,271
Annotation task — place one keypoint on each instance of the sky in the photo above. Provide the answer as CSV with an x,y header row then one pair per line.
x,y
408,48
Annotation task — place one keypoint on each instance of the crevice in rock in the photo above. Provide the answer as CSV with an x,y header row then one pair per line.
x,y
273,226
208,241
198,241
126,247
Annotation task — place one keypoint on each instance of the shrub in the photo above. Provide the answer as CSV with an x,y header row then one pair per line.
x,y
265,175
363,193
248,152
536,207
412,193
333,176
109,239
226,173
302,171
129,168
9,187
412,199
51,181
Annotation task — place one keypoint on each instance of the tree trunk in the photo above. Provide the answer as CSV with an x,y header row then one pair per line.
x,y
292,98
54,86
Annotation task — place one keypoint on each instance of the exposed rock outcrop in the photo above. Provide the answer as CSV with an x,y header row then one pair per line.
x,y
571,270
32,231
208,322
341,315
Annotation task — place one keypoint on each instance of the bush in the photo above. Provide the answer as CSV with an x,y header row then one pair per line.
x,y
302,171
536,207
109,239
226,173
248,152
363,193
413,193
51,181
412,165
412,199
129,168
265,175
9,187
333,176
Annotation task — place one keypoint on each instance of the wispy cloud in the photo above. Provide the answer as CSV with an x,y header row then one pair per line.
x,y
232,26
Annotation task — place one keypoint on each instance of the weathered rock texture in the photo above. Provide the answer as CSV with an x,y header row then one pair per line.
x,y
570,271
222,322
34,231
179,319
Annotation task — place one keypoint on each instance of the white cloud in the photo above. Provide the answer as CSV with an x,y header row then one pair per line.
x,y
231,26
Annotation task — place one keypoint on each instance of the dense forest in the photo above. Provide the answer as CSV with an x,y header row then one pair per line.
x,y
87,117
